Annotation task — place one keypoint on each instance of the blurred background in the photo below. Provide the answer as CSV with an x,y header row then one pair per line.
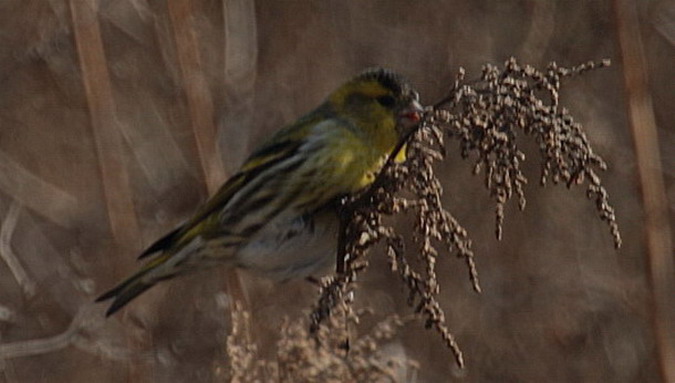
x,y
118,118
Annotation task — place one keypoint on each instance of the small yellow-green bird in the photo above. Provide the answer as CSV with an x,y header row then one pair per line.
x,y
278,215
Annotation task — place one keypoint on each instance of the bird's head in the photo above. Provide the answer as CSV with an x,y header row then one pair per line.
x,y
379,102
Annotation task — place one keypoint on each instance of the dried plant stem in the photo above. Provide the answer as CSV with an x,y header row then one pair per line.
x,y
102,111
200,106
655,203
39,346
41,197
7,254
49,344
240,56
109,149
74,335
197,94
298,359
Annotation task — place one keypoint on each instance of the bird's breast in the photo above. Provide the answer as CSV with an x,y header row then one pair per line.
x,y
292,246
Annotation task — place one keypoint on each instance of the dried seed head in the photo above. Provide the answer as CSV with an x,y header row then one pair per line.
x,y
486,117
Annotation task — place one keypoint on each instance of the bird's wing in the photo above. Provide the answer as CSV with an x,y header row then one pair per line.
x,y
279,149
242,205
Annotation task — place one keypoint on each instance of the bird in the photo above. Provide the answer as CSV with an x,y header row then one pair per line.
x,y
278,215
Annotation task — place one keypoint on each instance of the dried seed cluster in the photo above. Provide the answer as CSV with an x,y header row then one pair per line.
x,y
486,117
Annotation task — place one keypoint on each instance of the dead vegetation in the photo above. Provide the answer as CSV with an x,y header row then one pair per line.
x,y
299,358
486,117
110,113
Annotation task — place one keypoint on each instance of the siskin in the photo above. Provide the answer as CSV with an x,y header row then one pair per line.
x,y
277,216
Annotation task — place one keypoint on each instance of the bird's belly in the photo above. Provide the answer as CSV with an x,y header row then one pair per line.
x,y
292,246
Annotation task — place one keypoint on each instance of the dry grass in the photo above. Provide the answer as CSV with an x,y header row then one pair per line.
x,y
323,357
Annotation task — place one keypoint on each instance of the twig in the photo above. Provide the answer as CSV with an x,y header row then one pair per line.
x,y
44,345
7,253
74,335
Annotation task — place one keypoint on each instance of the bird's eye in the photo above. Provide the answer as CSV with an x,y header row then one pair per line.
x,y
386,101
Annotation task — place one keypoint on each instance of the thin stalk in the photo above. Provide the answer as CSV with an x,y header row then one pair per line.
x,y
657,226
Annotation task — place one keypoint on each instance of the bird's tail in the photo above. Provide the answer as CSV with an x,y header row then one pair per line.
x,y
134,285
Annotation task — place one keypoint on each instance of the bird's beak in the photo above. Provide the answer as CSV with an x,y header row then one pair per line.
x,y
410,115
